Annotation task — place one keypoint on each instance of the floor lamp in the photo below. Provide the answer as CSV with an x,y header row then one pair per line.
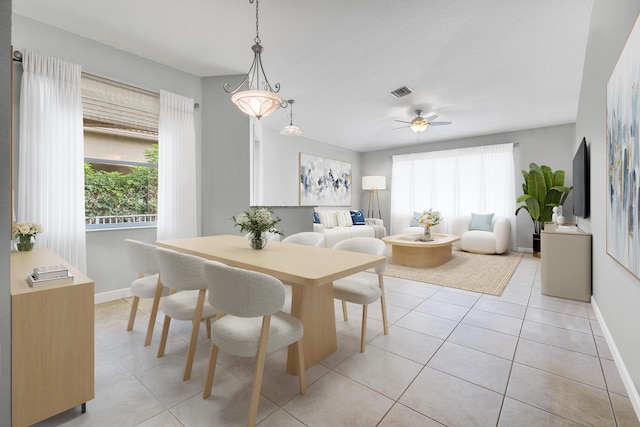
x,y
373,184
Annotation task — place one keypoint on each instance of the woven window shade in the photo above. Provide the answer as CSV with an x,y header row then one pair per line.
x,y
108,103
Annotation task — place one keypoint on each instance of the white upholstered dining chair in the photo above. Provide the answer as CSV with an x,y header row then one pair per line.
x,y
309,238
185,274
142,258
360,289
249,323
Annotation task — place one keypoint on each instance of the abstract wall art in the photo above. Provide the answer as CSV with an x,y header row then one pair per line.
x,y
323,181
623,156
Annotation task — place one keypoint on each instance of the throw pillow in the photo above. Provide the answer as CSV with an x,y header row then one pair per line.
x,y
357,217
328,219
414,220
344,218
481,222
316,217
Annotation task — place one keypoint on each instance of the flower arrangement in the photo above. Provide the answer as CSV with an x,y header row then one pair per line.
x,y
429,218
25,232
257,221
26,229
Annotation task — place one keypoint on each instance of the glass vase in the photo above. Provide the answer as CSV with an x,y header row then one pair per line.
x,y
258,242
24,243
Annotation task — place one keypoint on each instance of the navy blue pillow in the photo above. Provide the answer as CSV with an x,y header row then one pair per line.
x,y
316,218
357,217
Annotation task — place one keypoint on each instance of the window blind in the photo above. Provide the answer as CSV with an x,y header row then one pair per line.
x,y
109,103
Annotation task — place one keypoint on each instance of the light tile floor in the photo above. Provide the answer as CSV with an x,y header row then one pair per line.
x,y
452,358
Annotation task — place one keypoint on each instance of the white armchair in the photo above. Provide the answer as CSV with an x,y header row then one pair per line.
x,y
493,239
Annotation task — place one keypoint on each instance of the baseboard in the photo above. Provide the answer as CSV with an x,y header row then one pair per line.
x,y
111,295
530,250
629,386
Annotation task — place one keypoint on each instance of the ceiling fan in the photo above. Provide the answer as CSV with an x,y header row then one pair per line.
x,y
419,124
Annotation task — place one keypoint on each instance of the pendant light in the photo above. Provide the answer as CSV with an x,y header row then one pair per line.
x,y
255,96
291,129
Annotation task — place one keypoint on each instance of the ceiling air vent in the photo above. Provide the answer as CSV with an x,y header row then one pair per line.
x,y
400,92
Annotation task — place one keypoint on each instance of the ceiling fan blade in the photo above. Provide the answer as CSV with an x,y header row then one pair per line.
x,y
432,117
402,121
439,123
401,127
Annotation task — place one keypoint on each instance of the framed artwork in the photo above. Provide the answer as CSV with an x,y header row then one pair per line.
x,y
323,181
623,156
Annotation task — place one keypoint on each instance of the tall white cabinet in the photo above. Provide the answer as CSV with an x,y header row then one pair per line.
x,y
566,263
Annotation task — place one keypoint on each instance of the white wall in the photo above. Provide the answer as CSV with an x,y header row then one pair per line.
x,y
280,166
552,146
616,292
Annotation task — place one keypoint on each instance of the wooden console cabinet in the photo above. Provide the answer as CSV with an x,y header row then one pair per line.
x,y
52,341
566,263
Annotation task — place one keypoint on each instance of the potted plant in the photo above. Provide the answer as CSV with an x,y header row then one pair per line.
x,y
542,190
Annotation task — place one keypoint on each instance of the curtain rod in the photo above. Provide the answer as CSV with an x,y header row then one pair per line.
x,y
17,57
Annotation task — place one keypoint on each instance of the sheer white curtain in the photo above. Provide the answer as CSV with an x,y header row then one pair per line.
x,y
177,202
51,174
454,182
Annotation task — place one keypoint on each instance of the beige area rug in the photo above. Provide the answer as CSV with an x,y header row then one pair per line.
x,y
488,274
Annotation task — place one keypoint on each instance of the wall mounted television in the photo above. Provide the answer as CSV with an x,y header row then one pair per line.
x,y
581,181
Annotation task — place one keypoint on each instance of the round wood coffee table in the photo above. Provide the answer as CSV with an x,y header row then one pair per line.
x,y
406,249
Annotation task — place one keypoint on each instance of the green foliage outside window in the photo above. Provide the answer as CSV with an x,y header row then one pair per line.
x,y
116,193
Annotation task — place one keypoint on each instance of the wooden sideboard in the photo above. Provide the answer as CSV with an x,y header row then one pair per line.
x,y
52,341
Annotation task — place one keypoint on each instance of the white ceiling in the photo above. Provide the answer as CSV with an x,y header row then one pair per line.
x,y
488,66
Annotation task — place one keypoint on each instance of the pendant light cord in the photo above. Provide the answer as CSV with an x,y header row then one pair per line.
x,y
257,39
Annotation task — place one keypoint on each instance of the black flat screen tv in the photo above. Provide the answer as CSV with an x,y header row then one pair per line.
x,y
581,181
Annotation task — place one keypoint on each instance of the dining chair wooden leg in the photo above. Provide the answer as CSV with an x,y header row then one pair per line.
x,y
211,370
132,315
208,323
385,324
154,313
195,328
363,335
165,333
344,311
257,380
301,368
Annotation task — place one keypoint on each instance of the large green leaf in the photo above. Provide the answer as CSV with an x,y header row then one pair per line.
x,y
542,190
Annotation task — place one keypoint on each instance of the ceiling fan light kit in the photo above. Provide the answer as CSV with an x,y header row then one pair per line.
x,y
248,96
419,124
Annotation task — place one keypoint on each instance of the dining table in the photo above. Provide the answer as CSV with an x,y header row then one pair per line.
x,y
309,270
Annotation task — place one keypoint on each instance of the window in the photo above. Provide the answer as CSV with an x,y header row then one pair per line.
x,y
121,154
455,182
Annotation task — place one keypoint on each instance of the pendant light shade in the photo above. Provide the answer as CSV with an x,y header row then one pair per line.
x,y
257,103
291,129
248,96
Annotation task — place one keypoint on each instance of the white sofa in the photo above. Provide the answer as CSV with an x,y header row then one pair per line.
x,y
334,233
493,241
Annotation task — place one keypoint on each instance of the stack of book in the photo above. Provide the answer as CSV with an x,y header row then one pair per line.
x,y
49,275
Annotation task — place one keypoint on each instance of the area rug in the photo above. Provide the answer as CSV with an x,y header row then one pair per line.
x,y
488,274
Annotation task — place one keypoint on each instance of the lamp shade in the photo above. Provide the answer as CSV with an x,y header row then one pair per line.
x,y
374,182
257,103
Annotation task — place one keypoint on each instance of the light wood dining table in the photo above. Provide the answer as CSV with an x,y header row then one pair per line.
x,y
310,270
